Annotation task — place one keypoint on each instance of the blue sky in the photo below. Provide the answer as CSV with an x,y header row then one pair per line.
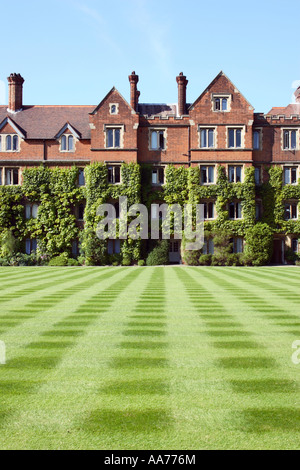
x,y
74,51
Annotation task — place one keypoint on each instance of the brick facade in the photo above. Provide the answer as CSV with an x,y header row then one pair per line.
x,y
218,128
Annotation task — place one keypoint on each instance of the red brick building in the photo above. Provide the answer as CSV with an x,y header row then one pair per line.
x,y
218,128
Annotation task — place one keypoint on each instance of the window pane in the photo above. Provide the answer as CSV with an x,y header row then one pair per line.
x,y
154,177
256,140
1,174
294,175
211,174
204,249
117,246
211,247
110,138
161,140
295,245
238,138
224,104
293,139
231,174
15,176
161,174
8,177
15,142
203,138
257,175
63,143
28,211
117,138
110,247
238,210
35,209
239,245
211,210
154,143
205,210
117,174
28,246
287,176
231,210
74,248
286,139
110,175
8,142
204,174
70,143
238,174
81,178
154,211
33,245
217,104
294,211
231,138
210,138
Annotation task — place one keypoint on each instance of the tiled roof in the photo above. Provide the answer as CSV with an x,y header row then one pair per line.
x,y
44,122
163,110
285,111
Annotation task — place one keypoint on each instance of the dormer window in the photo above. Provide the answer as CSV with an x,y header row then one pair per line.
x,y
67,143
9,143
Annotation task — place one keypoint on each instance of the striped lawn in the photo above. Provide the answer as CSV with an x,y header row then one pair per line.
x,y
149,358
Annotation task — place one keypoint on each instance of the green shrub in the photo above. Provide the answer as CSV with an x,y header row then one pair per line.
x,y
8,243
234,259
159,255
61,260
205,260
73,262
141,262
222,247
126,261
259,244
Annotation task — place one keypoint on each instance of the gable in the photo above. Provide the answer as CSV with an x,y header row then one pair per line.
x,y
222,85
113,97
8,126
68,129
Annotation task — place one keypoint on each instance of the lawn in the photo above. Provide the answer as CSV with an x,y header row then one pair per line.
x,y
150,358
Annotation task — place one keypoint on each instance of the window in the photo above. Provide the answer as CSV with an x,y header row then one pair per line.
x,y
209,210
291,211
257,133
11,176
237,245
158,176
174,247
235,210
113,138
235,174
81,178
295,245
207,138
75,248
30,246
234,138
114,174
289,139
290,175
114,108
10,143
208,247
113,247
80,212
221,102
31,211
258,210
157,140
207,174
67,143
257,176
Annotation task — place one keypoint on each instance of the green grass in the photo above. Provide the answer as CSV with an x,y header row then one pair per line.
x,y
149,358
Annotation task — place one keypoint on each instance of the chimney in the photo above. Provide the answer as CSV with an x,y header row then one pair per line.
x,y
15,92
134,93
182,84
297,95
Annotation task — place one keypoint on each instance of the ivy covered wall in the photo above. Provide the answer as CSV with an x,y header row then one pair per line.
x,y
59,195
